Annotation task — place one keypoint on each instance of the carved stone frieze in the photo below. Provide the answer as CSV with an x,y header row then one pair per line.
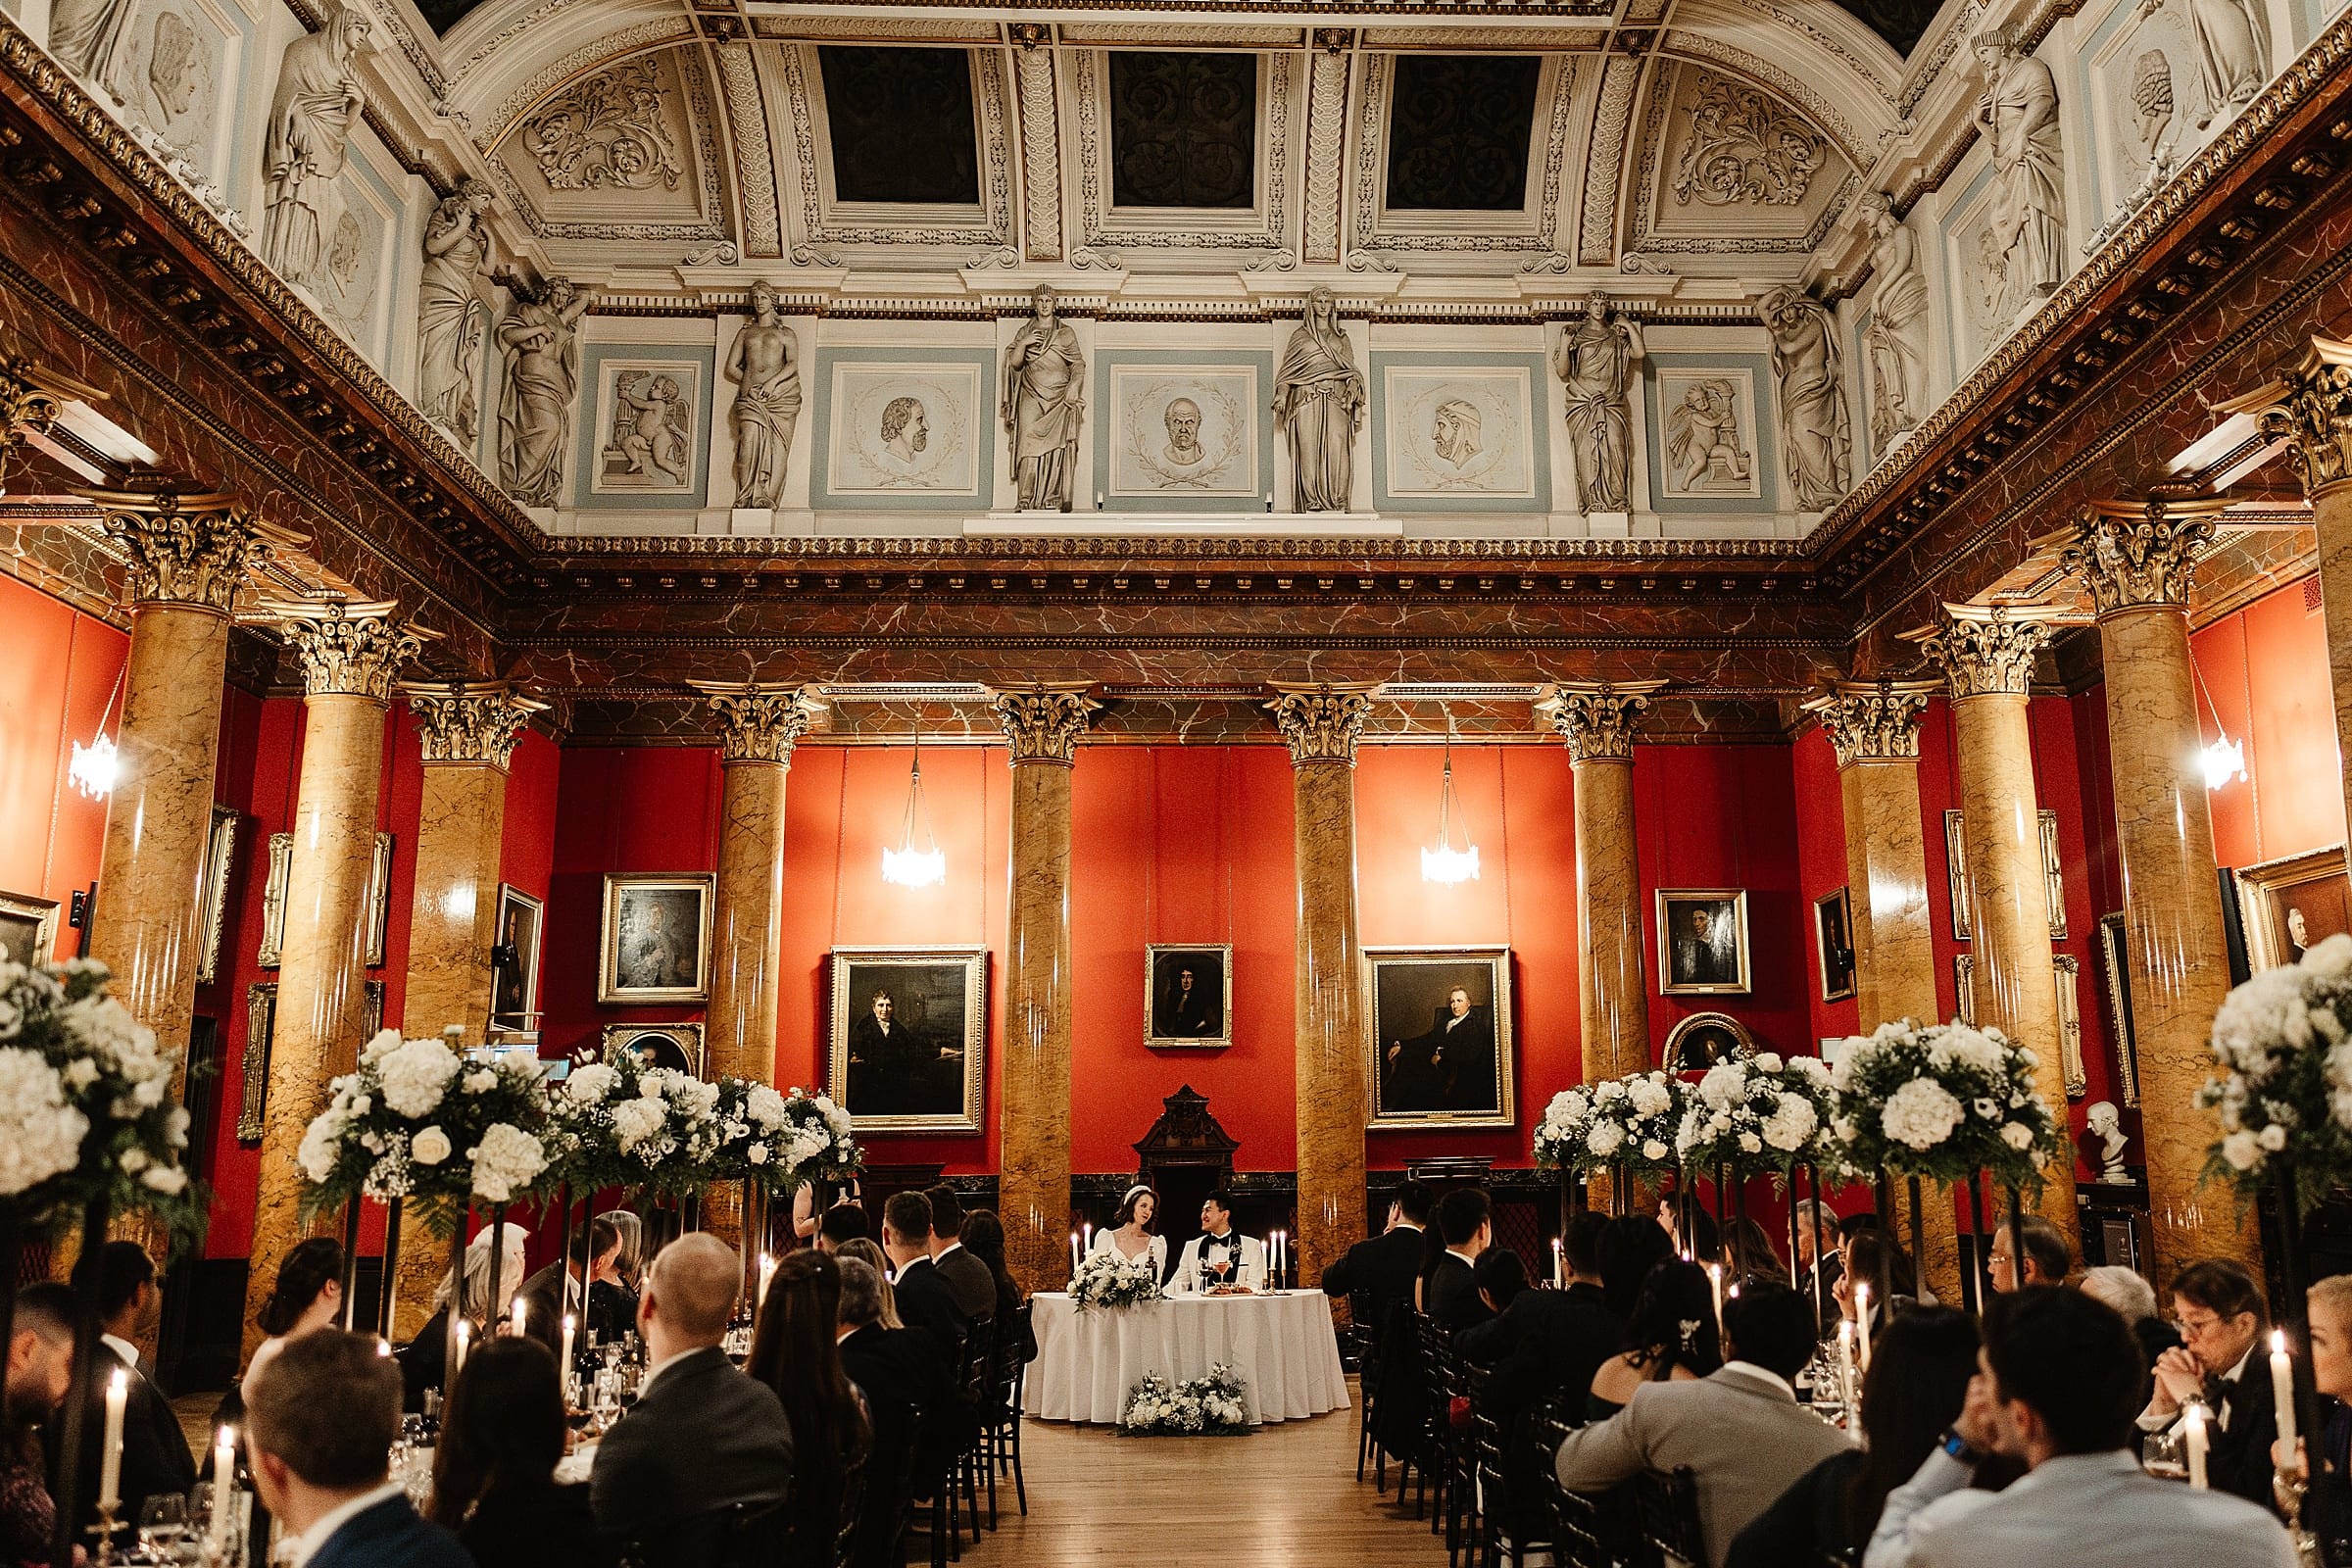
x,y
1987,653
1605,160
195,551
1321,723
759,723
1872,721
348,648
1597,719
2315,417
1044,722
469,721
1745,148
755,165
1041,145
611,131
1325,146
2137,558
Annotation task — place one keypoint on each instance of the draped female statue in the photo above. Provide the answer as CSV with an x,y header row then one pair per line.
x,y
765,366
1044,377
541,340
1319,400
311,115
1897,337
1596,358
2018,115
1814,439
450,314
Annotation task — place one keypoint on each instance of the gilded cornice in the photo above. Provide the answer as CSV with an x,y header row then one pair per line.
x,y
347,648
1986,652
2140,557
1044,722
1872,721
1321,723
468,722
1597,718
193,550
758,722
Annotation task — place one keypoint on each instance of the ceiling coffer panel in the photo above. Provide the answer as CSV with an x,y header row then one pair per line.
x,y
627,152
1727,167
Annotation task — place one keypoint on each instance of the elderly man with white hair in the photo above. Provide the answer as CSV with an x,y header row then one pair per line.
x,y
2135,1299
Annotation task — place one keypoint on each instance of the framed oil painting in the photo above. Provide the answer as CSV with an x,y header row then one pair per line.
x,y
260,1033
1702,941
2116,970
908,1051
1706,1040
1441,1035
1833,937
654,943
676,1045
27,927
1188,994
514,966
1955,857
2293,904
211,890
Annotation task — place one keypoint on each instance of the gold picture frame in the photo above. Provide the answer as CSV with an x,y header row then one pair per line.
x,y
2066,974
658,1045
643,912
1695,962
30,922
515,948
2305,893
211,890
920,1065
1175,1018
1833,941
380,900
2116,967
1417,1073
273,901
260,1033
1955,859
1710,1030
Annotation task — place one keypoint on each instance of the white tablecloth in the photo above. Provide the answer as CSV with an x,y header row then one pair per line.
x,y
1281,1345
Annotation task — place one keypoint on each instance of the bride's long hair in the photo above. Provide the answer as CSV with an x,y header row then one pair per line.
x,y
1134,1198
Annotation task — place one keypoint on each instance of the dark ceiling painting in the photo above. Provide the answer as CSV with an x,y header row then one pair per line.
x,y
1901,22
1183,130
444,15
1458,132
901,124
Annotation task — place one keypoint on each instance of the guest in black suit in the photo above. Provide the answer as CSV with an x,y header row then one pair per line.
x,y
1466,1221
910,1403
494,1473
155,1454
39,1369
2223,1324
702,1436
544,1302
1385,1267
1548,1343
925,1299
321,1418
975,1285
843,1222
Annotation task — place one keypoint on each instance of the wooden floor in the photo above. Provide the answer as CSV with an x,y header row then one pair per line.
x,y
1283,1496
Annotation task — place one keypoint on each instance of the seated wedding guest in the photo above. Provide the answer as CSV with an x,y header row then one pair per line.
x,y
1219,1254
1134,1231
613,1302
2046,1261
1466,1223
2328,1509
2054,1389
1820,1258
925,1299
1628,1250
2135,1299
794,1351
984,1239
1703,1244
1548,1343
1889,1275
1919,1375
909,1402
2222,1319
41,1370
1752,1255
155,1451
702,1437
869,1252
544,1305
806,1223
494,1471
1501,1278
1670,1338
308,1296
976,1290
319,1421
843,1222
1739,1428
423,1358
1384,1267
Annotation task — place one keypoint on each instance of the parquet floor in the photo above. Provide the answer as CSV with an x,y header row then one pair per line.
x,y
1283,1497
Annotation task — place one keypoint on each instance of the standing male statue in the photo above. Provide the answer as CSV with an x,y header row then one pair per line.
x,y
1595,358
764,365
1042,408
1319,399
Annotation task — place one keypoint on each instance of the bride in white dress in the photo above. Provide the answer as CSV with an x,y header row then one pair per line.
x,y
1131,1236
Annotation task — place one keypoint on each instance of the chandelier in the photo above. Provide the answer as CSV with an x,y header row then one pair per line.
x,y
94,769
907,865
2225,758
1443,863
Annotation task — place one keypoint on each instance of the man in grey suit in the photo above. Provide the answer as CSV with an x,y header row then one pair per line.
x,y
1740,1430
974,1287
702,1436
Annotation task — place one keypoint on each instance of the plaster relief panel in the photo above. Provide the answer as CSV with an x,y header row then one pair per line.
x,y
1186,432
173,68
902,430
1726,166
647,411
1710,427
1459,432
627,153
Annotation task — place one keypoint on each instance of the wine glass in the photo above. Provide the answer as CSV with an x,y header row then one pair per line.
x,y
2161,1455
162,1524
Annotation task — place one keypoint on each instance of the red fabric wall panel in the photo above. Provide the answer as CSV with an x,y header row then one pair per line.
x,y
58,687
1821,870
2264,671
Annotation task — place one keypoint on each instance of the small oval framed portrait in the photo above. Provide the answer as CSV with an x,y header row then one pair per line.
x,y
677,1046
1707,1040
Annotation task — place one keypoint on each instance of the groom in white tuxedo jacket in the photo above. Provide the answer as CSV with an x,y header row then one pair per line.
x,y
1219,1254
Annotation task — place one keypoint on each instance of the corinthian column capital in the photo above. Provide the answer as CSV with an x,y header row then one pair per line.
x,y
1321,723
348,648
1872,721
2139,556
194,551
759,723
1986,652
2309,408
1044,722
1597,718
469,721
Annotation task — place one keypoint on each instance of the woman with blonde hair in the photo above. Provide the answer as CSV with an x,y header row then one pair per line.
x,y
869,1252
425,1360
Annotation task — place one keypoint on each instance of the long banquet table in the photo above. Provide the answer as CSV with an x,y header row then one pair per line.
x,y
1282,1345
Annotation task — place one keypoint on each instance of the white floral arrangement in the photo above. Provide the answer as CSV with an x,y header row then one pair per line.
x,y
624,1124
1629,1121
1202,1407
86,1108
1942,1100
779,1139
420,1122
2281,1087
1755,1115
1107,1282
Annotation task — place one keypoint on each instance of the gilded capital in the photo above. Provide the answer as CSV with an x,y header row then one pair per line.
x,y
1872,721
758,724
1044,722
2140,557
1985,651
2311,409
348,648
1597,718
188,550
1321,723
469,721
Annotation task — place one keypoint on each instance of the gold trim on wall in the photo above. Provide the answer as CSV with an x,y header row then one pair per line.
x,y
380,900
261,1021
211,890
2069,971
2113,945
273,901
687,1037
1955,861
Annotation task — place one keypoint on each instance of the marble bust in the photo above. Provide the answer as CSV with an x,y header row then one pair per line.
x,y
2106,1124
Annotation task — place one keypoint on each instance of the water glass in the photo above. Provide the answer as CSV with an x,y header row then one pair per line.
x,y
163,1525
2161,1453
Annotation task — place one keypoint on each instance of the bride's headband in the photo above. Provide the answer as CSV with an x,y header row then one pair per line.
x,y
1129,1193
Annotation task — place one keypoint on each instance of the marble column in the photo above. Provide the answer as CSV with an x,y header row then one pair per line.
x,y
189,558
1988,659
1597,720
1321,726
1873,727
350,653
2140,563
1043,723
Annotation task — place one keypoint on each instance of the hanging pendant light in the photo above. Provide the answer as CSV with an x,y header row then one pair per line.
x,y
94,769
908,865
2225,758
1443,863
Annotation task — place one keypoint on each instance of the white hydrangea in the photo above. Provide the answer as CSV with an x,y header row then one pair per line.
x,y
321,1143
40,1134
636,1120
1725,1084
2336,1072
506,1160
1921,1114
765,1107
168,1180
386,1042
590,1083
1649,1095
1791,1124
2331,959
1605,1139
480,1081
416,1074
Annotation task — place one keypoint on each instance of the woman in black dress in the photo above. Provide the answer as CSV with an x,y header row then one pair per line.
x,y
494,1474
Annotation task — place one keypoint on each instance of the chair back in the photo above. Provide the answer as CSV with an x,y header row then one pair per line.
x,y
741,1535
1006,1364
853,1506
972,1368
1666,1508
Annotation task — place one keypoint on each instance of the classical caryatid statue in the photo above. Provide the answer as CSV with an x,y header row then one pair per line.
x,y
540,338
450,314
1319,400
1897,337
1044,377
1596,358
1814,439
764,365
311,115
2018,115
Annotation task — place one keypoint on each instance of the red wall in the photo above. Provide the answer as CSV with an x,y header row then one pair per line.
x,y
2264,671
57,685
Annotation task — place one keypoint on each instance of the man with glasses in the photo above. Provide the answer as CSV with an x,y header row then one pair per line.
x,y
2047,1262
2219,1311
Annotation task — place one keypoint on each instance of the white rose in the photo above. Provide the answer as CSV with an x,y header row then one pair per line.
x,y
2018,1136
2242,1150
1750,1144
1654,1149
757,1154
2272,1138
81,1072
430,1147
134,1161
168,1180
1768,1061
